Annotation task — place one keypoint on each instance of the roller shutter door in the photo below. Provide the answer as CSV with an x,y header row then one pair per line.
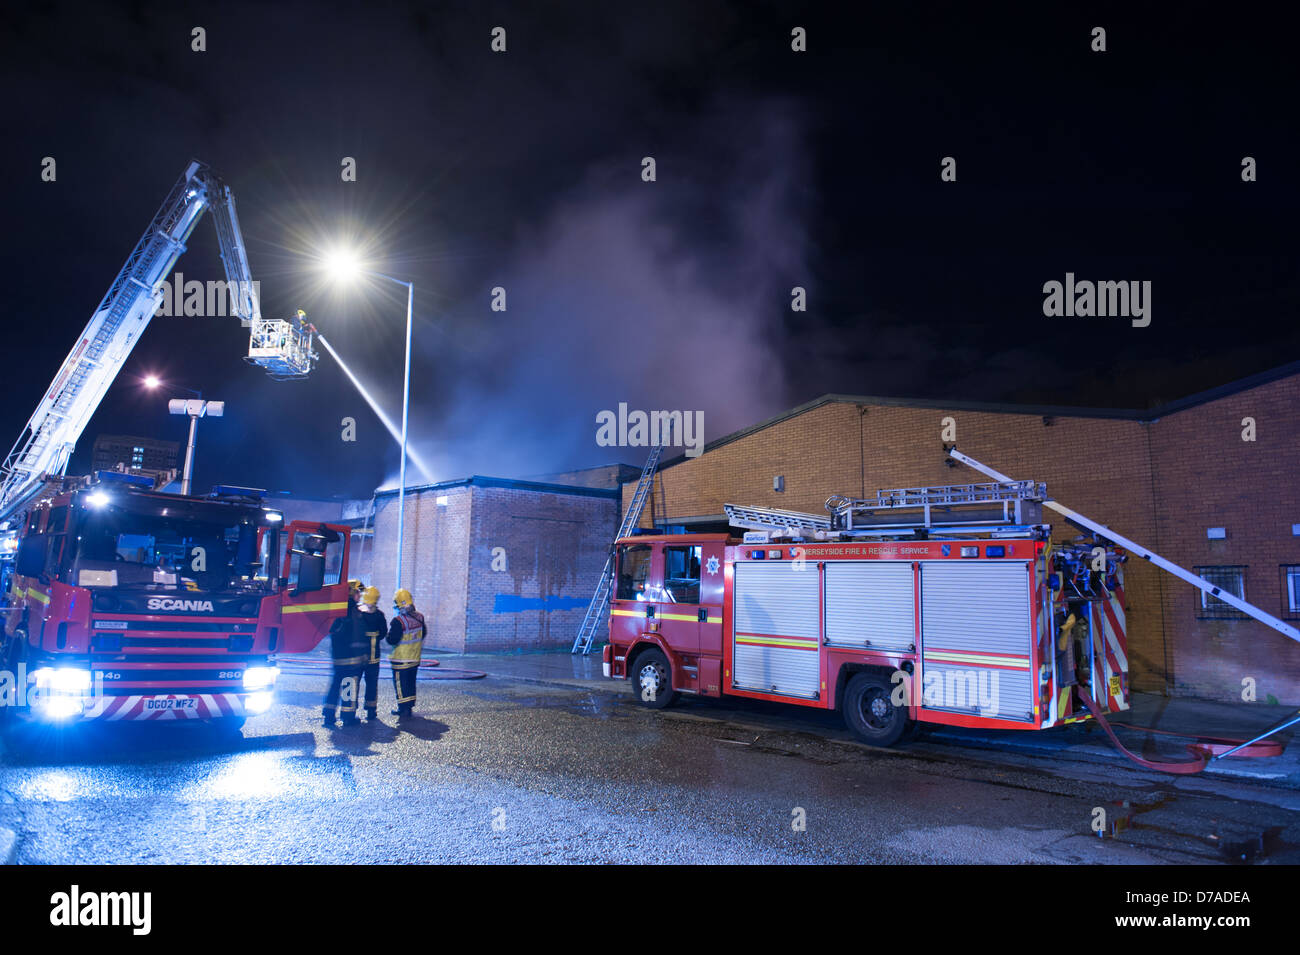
x,y
870,605
776,644
976,638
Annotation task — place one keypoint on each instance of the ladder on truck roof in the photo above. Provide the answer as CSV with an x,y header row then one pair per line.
x,y
1001,509
604,587
776,520
1145,553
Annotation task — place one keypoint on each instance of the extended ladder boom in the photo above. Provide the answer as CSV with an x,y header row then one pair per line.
x,y
51,433
1147,554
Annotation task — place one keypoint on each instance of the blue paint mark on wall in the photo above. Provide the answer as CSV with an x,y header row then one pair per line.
x,y
513,603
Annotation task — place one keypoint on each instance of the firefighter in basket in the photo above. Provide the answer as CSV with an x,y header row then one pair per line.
x,y
406,637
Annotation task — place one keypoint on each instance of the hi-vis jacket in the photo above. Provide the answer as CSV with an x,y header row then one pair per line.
x,y
406,637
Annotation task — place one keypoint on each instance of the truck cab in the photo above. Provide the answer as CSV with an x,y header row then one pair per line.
x,y
129,604
666,611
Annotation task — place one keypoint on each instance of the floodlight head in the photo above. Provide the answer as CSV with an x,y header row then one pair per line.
x,y
343,265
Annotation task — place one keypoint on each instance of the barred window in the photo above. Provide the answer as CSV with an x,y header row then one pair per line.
x,y
1231,579
1291,590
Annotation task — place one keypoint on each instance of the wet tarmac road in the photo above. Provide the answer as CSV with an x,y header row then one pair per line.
x,y
500,771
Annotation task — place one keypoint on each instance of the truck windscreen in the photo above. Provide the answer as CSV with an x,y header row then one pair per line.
x,y
117,547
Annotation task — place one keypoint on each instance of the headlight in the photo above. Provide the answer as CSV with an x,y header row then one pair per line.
x,y
63,680
260,678
258,702
61,707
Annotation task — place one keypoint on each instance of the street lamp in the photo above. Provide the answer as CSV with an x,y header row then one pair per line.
x,y
196,408
345,266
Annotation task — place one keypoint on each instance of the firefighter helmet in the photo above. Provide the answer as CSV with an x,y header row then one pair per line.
x,y
403,599
354,587
371,596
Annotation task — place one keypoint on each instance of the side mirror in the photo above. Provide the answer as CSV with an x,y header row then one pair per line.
x,y
311,573
30,560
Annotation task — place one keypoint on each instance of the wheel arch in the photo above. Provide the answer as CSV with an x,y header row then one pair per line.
x,y
851,669
648,641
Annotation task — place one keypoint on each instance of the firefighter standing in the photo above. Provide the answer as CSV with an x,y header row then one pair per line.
x,y
406,637
349,659
371,627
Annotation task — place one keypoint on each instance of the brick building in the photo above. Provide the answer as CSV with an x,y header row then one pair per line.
x,y
496,564
1174,478
133,454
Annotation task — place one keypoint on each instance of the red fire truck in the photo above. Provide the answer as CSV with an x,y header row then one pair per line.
x,y
124,603
947,605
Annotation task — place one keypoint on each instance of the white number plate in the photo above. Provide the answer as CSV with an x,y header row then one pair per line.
x,y
171,703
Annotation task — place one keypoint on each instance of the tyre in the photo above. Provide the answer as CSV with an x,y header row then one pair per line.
x,y
652,679
869,711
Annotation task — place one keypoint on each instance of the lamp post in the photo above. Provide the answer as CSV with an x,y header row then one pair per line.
x,y
345,266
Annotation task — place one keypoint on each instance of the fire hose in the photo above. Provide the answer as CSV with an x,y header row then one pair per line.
x,y
1206,749
428,669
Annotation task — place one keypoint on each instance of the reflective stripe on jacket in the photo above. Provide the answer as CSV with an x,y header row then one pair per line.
x,y
371,626
409,629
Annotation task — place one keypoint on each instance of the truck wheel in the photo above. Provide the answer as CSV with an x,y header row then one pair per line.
x,y
870,713
652,679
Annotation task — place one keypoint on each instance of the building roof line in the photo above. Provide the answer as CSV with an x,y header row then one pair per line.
x,y
478,480
1060,411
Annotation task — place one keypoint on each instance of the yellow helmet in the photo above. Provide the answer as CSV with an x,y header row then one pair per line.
x,y
301,313
371,596
354,587
403,599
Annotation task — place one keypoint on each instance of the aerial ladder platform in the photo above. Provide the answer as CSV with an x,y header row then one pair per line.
x,y
283,348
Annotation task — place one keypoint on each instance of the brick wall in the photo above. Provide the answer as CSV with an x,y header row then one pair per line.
x,y
553,545
1207,476
433,559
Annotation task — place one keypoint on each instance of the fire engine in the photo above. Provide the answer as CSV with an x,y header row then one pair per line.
x,y
120,602
130,604
945,605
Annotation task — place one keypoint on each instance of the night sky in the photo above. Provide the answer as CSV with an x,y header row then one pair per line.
x,y
774,169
